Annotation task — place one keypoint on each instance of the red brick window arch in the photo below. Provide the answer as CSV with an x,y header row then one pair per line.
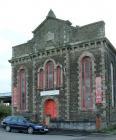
x,y
49,75
86,83
22,89
41,79
58,76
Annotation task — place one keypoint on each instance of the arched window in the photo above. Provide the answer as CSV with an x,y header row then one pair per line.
x,y
112,83
58,76
86,83
22,89
49,73
41,79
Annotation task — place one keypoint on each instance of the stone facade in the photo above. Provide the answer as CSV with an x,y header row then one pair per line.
x,y
57,41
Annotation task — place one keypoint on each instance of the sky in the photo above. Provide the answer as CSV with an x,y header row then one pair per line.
x,y
18,18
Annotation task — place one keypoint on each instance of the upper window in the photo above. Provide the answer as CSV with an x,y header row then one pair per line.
x,y
112,83
22,89
58,76
49,73
41,79
50,76
86,83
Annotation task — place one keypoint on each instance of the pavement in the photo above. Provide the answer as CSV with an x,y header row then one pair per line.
x,y
76,132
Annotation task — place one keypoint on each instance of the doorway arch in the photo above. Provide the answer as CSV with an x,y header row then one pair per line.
x,y
50,108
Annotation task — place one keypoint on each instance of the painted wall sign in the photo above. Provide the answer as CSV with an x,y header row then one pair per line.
x,y
50,92
98,90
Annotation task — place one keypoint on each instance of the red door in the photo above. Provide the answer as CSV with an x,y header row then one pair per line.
x,y
50,108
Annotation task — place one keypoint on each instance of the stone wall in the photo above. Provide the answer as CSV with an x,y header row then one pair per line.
x,y
88,32
22,50
73,125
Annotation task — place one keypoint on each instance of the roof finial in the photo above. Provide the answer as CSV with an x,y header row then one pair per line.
x,y
51,14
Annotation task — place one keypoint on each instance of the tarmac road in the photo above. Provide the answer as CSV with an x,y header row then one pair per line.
x,y
56,135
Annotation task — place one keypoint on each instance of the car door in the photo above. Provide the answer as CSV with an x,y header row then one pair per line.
x,y
22,124
13,122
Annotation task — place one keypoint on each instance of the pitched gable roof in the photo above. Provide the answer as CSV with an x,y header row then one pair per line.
x,y
51,15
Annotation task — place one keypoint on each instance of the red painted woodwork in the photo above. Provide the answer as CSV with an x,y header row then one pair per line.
x,y
50,108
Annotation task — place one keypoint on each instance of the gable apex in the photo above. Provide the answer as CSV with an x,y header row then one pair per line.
x,y
51,14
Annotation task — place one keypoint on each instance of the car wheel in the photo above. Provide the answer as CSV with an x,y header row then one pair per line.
x,y
30,130
8,129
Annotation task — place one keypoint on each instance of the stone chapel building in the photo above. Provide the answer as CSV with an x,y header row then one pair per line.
x,y
65,74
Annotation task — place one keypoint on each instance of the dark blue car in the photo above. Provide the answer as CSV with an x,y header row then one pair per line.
x,y
22,124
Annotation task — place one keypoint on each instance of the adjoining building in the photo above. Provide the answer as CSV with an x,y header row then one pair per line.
x,y
66,74
5,98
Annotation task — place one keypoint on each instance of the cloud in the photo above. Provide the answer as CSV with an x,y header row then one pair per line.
x,y
5,70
